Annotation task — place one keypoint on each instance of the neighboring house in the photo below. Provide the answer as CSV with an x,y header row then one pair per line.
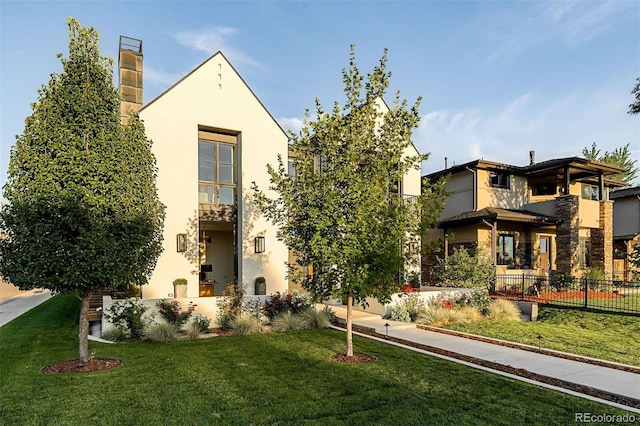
x,y
626,230
548,216
212,138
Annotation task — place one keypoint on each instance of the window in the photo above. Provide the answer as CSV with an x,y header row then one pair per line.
x,y
291,168
544,189
505,250
216,172
590,192
500,180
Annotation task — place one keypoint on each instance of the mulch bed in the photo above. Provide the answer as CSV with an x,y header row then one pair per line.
x,y
560,295
74,366
357,358
586,390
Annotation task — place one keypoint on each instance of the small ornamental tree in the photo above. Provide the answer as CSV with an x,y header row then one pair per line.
x,y
352,235
83,212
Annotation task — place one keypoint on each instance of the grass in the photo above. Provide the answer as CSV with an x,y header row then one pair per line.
x,y
612,337
274,378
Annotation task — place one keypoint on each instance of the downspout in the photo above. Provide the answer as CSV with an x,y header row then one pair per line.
x,y
474,188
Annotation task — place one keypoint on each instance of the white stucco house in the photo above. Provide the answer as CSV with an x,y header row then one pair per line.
x,y
212,138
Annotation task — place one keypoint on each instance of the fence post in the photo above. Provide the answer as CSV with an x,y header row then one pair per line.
x,y
586,292
523,294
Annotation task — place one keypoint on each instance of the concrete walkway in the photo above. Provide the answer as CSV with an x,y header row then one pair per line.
x,y
14,306
606,379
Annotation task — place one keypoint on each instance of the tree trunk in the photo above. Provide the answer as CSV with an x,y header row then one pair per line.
x,y
83,334
349,325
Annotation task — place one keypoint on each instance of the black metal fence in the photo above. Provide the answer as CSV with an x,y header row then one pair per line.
x,y
604,295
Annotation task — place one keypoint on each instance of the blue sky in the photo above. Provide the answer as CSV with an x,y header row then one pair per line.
x,y
497,79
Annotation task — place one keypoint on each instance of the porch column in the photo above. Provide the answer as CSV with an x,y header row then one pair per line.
x,y
602,240
567,236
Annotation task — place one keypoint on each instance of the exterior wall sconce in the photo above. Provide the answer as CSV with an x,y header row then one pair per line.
x,y
260,244
181,243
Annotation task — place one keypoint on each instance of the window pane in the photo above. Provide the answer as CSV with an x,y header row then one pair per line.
x,y
543,245
206,152
226,173
206,194
206,172
227,195
226,153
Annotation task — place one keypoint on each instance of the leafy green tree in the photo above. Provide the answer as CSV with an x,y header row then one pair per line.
x,y
83,212
634,108
463,270
620,157
339,214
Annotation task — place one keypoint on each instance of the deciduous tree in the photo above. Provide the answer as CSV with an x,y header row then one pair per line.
x,y
83,212
620,157
353,236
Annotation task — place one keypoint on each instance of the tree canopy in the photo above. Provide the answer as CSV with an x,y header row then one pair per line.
x,y
634,108
83,212
620,157
353,231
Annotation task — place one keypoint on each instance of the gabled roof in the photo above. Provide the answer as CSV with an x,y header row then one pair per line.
x,y
218,53
492,214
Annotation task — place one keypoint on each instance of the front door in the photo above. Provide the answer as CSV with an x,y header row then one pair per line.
x,y
545,253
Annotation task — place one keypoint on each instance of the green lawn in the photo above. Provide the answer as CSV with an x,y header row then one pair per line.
x,y
612,337
275,378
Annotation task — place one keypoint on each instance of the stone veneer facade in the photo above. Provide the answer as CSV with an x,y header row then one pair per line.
x,y
602,240
567,235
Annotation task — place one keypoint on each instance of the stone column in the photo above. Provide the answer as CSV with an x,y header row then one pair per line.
x,y
602,240
567,234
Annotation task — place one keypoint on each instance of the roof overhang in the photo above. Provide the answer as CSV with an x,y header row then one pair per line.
x,y
498,215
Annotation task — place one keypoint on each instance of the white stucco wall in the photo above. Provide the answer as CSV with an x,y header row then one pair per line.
x,y
212,95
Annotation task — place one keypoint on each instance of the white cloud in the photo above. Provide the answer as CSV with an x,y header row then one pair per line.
x,y
160,78
557,127
291,123
581,24
572,22
213,39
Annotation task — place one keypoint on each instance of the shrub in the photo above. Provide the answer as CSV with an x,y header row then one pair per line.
x,y
313,319
398,312
290,302
193,331
330,313
201,323
229,305
172,312
127,315
439,315
503,310
161,332
463,270
563,281
244,324
287,321
407,309
471,314
115,334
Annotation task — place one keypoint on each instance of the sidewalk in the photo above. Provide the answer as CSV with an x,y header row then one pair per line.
x,y
605,379
19,304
